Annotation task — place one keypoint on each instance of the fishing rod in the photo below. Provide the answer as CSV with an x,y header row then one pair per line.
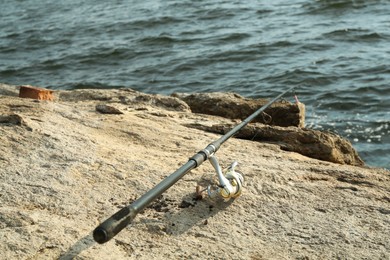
x,y
230,184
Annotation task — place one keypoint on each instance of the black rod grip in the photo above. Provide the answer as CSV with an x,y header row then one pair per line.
x,y
113,225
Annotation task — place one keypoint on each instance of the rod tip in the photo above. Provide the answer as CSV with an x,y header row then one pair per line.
x,y
100,235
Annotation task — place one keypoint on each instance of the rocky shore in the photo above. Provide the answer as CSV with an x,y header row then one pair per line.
x,y
69,163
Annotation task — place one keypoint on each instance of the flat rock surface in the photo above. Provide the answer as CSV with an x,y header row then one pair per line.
x,y
65,167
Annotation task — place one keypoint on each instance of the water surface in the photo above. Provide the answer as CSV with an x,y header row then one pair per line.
x,y
337,52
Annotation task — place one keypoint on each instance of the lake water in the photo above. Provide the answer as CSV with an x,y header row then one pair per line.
x,y
337,53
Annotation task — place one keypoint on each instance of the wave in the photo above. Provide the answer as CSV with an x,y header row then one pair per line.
x,y
231,38
312,79
336,7
155,21
354,35
91,85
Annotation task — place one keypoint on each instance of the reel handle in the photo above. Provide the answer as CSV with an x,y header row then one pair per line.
x,y
230,184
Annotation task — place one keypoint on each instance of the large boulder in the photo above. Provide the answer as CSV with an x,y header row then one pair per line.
x,y
234,106
316,144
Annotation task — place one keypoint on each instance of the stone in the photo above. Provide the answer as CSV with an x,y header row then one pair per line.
x,y
316,144
12,119
78,167
234,106
107,109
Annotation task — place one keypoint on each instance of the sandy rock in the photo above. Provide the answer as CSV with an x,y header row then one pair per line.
x,y
234,106
75,167
124,96
9,90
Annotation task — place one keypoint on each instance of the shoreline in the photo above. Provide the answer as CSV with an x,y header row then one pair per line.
x,y
68,167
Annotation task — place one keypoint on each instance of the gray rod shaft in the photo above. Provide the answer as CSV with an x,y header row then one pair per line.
x,y
113,225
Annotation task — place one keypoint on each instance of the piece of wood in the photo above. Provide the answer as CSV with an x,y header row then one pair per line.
x,y
35,93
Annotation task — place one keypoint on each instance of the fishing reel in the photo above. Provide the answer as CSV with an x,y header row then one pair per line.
x,y
230,183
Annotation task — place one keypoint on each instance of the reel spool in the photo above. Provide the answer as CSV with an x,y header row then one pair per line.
x,y
230,184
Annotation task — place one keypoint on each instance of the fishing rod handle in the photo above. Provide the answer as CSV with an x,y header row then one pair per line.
x,y
113,225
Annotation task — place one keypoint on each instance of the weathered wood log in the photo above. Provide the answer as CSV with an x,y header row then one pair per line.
x,y
234,106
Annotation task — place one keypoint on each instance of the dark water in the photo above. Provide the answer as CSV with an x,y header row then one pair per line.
x,y
337,51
